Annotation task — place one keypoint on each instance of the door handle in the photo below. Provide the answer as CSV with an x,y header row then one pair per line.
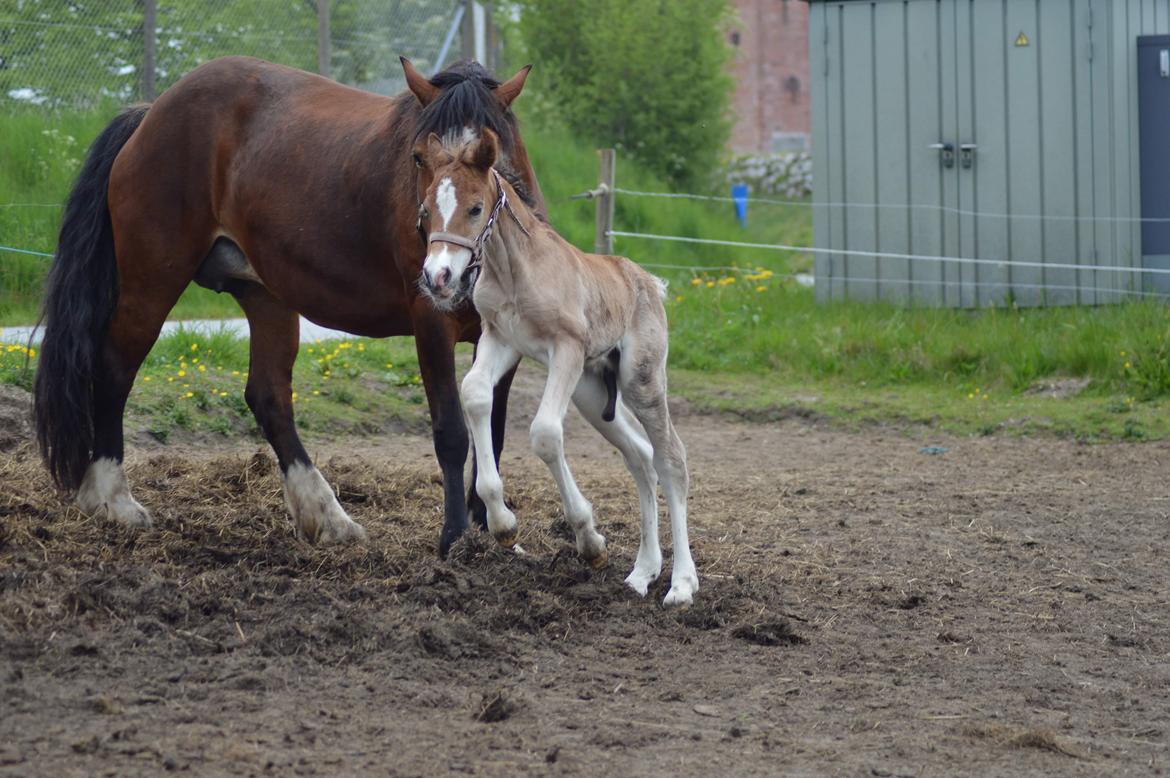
x,y
967,154
946,153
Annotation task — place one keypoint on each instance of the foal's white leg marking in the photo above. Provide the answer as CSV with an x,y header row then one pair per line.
x,y
493,358
317,515
627,436
564,371
105,490
670,460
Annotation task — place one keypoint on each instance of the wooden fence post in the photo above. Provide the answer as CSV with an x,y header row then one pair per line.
x,y
602,240
324,52
149,25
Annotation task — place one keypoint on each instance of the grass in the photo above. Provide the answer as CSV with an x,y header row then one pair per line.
x,y
750,341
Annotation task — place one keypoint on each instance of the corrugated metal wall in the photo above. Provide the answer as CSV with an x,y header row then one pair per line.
x,y
1055,123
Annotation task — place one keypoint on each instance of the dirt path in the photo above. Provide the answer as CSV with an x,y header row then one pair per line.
x,y
866,609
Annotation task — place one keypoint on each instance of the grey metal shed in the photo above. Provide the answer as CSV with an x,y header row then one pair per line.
x,y
985,130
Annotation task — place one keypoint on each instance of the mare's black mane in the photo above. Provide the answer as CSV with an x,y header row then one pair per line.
x,y
466,100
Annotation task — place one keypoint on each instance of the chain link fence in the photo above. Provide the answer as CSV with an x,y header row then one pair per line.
x,y
79,53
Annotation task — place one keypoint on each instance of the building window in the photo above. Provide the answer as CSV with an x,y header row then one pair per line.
x,y
792,87
735,38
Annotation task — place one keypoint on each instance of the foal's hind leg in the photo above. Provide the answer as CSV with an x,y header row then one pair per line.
x,y
624,433
275,331
645,390
564,372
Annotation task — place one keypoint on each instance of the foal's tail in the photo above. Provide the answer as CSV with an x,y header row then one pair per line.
x,y
80,295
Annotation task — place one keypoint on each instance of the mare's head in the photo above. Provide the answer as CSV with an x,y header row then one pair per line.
x,y
465,98
461,197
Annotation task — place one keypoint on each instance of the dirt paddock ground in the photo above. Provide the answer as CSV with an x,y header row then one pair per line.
x,y
866,609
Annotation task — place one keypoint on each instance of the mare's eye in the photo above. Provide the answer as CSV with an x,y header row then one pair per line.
x,y
417,160
476,210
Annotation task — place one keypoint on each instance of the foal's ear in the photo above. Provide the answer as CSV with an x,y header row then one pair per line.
x,y
423,89
483,154
434,145
510,89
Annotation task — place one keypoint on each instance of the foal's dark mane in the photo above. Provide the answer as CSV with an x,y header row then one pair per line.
x,y
466,100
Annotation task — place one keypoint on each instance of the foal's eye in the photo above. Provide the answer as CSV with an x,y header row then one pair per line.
x,y
476,210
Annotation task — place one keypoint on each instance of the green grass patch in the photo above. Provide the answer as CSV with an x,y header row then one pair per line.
x,y
750,341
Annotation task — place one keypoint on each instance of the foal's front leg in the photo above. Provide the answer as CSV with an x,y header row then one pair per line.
x,y
493,360
565,366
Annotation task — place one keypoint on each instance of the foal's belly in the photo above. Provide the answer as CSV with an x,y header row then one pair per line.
x,y
518,333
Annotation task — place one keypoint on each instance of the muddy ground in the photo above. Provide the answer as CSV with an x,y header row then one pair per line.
x,y
866,609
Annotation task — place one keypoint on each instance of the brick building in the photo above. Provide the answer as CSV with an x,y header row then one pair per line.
x,y
771,102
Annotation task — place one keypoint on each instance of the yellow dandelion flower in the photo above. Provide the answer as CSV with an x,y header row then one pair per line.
x,y
145,378
1128,365
970,396
984,397
203,368
170,379
316,391
710,284
223,394
181,373
194,346
235,372
761,288
678,299
361,347
1123,353
294,395
32,352
389,365
696,281
189,394
310,349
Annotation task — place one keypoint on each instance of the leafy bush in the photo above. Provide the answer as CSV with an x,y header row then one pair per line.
x,y
647,77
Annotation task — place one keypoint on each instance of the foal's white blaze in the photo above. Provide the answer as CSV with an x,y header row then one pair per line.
x,y
447,202
104,489
316,513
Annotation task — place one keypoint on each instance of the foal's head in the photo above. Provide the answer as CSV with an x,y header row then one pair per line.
x,y
455,210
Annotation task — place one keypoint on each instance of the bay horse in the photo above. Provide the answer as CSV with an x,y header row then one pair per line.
x,y
596,322
295,195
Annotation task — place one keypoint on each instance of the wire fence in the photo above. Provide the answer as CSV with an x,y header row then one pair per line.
x,y
85,52
1120,282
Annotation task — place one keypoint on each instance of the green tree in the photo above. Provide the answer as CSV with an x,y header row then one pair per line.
x,y
646,76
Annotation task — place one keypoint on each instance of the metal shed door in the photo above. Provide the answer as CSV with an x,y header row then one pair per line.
x,y
1154,118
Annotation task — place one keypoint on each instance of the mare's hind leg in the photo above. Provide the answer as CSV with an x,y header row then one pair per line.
x,y
624,433
275,334
644,386
144,300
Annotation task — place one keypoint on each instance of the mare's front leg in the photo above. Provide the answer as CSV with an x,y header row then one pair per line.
x,y
565,366
494,359
434,338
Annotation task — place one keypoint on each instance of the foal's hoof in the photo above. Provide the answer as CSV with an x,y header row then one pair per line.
x,y
682,592
600,561
507,538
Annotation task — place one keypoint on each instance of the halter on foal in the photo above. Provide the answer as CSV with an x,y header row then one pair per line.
x,y
579,314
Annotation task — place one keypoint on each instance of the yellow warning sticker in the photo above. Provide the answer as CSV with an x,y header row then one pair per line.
x,y
1022,39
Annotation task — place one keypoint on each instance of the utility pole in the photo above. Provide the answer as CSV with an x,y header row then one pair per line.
x,y
324,52
149,26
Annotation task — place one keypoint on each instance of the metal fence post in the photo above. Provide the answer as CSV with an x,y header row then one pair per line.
x,y
149,25
602,239
324,53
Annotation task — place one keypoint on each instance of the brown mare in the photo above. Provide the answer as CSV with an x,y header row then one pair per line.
x,y
295,195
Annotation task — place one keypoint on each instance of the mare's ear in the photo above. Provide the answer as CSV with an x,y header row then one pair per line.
x,y
510,89
423,89
483,154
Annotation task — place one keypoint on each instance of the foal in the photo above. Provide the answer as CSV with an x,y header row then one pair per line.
x,y
597,323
